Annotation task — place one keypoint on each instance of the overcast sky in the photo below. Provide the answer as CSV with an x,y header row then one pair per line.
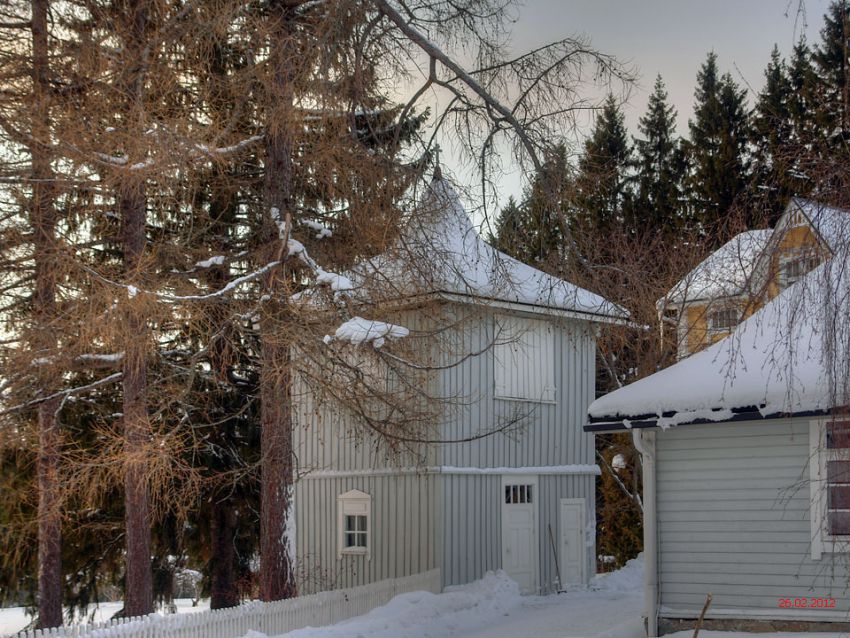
x,y
671,37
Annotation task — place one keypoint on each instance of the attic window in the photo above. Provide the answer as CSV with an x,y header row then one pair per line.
x,y
723,319
795,269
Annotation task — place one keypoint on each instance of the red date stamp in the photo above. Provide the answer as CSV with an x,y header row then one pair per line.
x,y
807,603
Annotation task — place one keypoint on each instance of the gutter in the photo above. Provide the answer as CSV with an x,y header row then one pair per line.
x,y
617,424
644,441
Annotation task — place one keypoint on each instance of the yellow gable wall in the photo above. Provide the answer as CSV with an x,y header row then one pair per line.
x,y
799,240
796,241
699,336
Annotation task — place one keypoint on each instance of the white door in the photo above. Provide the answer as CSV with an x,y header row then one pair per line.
x,y
519,530
573,549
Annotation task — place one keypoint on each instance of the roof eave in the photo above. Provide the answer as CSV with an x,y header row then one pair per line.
x,y
553,311
609,424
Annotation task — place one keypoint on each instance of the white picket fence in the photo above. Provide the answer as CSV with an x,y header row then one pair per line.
x,y
316,610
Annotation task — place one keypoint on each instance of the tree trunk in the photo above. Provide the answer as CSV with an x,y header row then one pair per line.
x,y
138,576
223,589
43,219
276,570
138,585
49,519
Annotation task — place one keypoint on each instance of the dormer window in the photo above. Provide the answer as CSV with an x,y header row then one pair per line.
x,y
796,268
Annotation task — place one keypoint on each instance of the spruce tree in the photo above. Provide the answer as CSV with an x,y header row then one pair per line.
x,y
602,189
532,231
802,99
772,133
660,164
717,146
509,233
834,72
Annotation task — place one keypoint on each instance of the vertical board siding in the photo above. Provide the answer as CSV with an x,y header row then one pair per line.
x,y
329,438
544,433
402,537
733,519
423,521
472,536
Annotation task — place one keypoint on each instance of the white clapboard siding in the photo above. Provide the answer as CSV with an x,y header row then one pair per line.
x,y
733,519
273,618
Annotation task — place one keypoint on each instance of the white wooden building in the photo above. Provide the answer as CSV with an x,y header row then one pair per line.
x,y
746,460
522,500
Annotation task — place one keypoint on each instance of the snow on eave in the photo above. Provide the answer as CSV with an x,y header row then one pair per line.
x,y
717,416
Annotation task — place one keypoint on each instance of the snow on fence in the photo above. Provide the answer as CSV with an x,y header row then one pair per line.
x,y
324,608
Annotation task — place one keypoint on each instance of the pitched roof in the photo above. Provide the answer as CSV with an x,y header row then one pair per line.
x,y
444,254
792,356
832,224
724,273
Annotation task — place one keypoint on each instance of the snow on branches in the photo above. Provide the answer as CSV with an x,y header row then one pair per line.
x,y
359,330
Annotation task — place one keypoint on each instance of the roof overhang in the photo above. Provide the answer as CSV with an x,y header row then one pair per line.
x,y
539,309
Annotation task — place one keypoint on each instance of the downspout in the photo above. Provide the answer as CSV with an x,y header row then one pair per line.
x,y
644,441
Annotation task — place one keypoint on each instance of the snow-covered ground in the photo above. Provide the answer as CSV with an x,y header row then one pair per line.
x,y
493,608
13,619
489,608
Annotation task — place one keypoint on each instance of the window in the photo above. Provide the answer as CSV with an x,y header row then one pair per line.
x,y
830,485
524,353
354,523
723,320
795,268
518,494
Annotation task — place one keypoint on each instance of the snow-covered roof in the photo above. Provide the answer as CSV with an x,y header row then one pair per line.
x,y
831,223
444,254
792,356
724,273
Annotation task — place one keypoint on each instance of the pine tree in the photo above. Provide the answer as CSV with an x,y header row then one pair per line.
x,y
717,146
660,165
602,191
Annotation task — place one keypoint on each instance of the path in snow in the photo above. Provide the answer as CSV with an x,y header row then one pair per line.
x,y
493,608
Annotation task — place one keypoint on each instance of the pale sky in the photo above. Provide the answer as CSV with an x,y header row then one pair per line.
x,y
670,37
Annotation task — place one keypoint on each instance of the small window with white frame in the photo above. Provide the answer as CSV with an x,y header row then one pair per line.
x,y
354,524
830,485
723,319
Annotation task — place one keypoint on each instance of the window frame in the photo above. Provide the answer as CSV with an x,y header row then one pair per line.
x,y
508,346
797,257
819,455
354,503
713,312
